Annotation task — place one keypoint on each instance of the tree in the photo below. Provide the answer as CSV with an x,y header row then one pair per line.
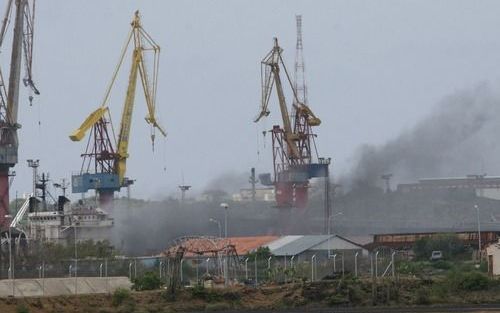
x,y
449,244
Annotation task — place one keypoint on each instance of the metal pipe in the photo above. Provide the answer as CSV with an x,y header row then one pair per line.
x,y
371,264
342,264
393,264
135,268
161,263
335,263
478,233
246,268
76,260
256,272
313,258
43,278
182,278
356,264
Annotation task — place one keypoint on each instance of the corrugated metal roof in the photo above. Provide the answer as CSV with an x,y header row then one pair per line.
x,y
245,245
282,241
300,245
360,240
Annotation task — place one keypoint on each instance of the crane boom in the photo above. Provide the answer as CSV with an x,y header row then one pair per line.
x,y
126,121
15,68
5,21
138,67
90,121
271,72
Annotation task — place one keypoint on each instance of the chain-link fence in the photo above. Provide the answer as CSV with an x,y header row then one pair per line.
x,y
194,270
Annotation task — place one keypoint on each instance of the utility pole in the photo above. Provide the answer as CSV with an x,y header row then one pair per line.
x,y
34,164
184,189
478,233
63,186
42,185
128,182
327,202
253,181
387,179
479,182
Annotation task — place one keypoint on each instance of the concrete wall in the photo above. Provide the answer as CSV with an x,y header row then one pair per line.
x,y
493,257
61,286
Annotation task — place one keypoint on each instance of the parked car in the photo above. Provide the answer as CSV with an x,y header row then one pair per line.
x,y
436,255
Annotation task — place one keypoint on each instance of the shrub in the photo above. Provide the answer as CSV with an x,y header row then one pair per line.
x,y
200,292
149,281
410,268
217,307
119,296
468,281
423,296
443,265
473,281
231,296
337,299
22,308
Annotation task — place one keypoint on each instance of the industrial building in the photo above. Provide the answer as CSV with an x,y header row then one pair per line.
x,y
481,185
261,194
406,240
301,247
323,246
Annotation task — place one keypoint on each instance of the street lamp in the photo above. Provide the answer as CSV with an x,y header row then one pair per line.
x,y
225,206
329,230
10,246
11,263
213,220
313,260
246,269
74,220
478,233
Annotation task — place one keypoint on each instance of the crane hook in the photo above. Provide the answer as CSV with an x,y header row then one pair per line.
x,y
153,141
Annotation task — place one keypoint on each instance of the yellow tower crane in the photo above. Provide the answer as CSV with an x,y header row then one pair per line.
x,y
102,149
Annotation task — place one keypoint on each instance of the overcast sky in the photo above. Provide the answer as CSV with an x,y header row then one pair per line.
x,y
374,68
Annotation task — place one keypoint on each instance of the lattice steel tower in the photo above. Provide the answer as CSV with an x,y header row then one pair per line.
x,y
300,75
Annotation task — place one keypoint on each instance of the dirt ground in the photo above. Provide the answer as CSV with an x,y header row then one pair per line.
x,y
317,297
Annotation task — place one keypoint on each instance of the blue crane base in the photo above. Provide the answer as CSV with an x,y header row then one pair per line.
x,y
101,181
